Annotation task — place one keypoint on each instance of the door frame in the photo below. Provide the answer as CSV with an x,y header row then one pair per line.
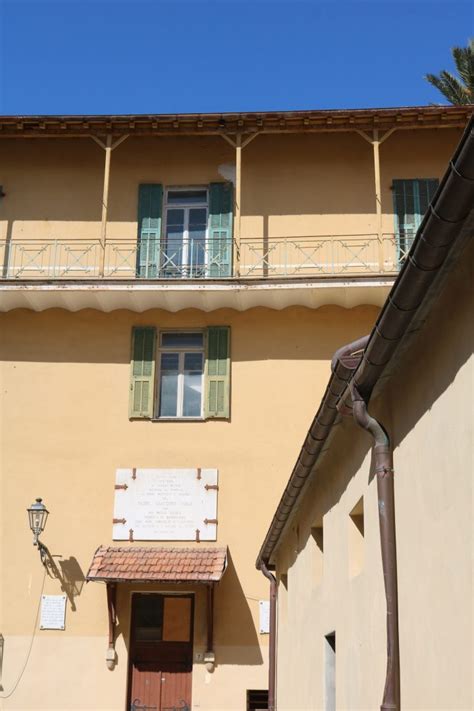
x,y
163,593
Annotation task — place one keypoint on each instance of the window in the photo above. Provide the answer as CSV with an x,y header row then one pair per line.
x,y
411,199
330,672
183,250
186,377
356,538
161,618
181,372
257,700
184,232
282,597
317,534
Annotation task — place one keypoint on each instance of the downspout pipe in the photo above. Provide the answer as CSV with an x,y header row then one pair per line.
x,y
383,461
272,640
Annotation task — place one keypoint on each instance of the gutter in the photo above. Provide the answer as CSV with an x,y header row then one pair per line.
x,y
272,640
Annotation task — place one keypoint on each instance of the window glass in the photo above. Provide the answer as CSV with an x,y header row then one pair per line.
x,y
169,384
182,340
148,611
197,236
192,395
181,374
186,197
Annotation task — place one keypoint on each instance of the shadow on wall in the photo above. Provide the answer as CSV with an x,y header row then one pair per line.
x,y
235,634
450,327
302,177
258,334
69,574
407,394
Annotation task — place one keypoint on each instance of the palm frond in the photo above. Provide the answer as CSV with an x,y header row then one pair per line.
x,y
456,87
452,90
464,61
457,90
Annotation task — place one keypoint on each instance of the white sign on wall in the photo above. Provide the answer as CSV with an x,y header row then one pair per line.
x,y
264,606
165,505
53,612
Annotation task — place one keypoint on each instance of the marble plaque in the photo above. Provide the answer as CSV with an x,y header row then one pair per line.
x,y
264,606
165,505
53,612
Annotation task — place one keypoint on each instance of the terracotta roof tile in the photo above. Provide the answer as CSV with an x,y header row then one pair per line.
x,y
155,564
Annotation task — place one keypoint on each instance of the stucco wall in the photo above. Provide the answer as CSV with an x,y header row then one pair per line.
x,y
65,429
427,409
296,185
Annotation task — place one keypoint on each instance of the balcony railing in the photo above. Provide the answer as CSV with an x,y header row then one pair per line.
x,y
262,258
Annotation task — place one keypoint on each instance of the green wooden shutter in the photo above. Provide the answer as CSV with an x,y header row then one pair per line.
x,y
411,199
220,229
150,207
217,386
142,378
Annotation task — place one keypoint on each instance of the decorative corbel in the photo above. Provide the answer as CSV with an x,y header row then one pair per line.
x,y
111,655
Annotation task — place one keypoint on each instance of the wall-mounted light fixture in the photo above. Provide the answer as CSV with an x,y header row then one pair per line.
x,y
37,515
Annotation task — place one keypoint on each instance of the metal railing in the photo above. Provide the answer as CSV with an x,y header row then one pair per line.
x,y
259,258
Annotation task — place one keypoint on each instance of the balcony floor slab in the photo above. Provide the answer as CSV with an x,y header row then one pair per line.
x,y
205,296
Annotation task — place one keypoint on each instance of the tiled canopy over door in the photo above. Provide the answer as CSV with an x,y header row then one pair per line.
x,y
220,229
150,208
411,199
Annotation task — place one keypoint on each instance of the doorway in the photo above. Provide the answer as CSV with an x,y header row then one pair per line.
x,y
161,652
183,247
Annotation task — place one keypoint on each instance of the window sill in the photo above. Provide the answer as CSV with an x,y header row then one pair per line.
x,y
178,419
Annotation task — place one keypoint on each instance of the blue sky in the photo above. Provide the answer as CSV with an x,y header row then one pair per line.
x,y
155,56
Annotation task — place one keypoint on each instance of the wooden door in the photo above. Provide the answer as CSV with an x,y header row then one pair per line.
x,y
161,653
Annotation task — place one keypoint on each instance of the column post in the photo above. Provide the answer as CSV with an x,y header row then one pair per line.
x,y
378,196
238,198
108,147
105,202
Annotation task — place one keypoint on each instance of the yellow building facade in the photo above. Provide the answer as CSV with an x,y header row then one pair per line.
x,y
172,292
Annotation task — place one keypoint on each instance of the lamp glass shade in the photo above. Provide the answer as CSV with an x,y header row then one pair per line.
x,y
37,514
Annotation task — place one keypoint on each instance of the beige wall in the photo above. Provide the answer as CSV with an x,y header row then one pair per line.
x,y
427,409
296,185
65,429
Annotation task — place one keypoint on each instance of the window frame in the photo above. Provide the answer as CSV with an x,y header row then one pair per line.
x,y
180,392
185,265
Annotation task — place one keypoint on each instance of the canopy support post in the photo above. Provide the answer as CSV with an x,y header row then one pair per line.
x,y
111,656
210,657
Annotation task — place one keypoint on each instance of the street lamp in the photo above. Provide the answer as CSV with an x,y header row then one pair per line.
x,y
37,515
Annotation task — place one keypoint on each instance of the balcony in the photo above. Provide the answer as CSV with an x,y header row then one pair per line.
x,y
280,258
341,270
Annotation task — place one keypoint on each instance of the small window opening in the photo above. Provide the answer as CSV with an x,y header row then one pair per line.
x,y
283,597
356,538
257,700
317,534
330,672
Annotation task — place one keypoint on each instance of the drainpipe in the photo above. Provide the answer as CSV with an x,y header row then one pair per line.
x,y
272,640
383,460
